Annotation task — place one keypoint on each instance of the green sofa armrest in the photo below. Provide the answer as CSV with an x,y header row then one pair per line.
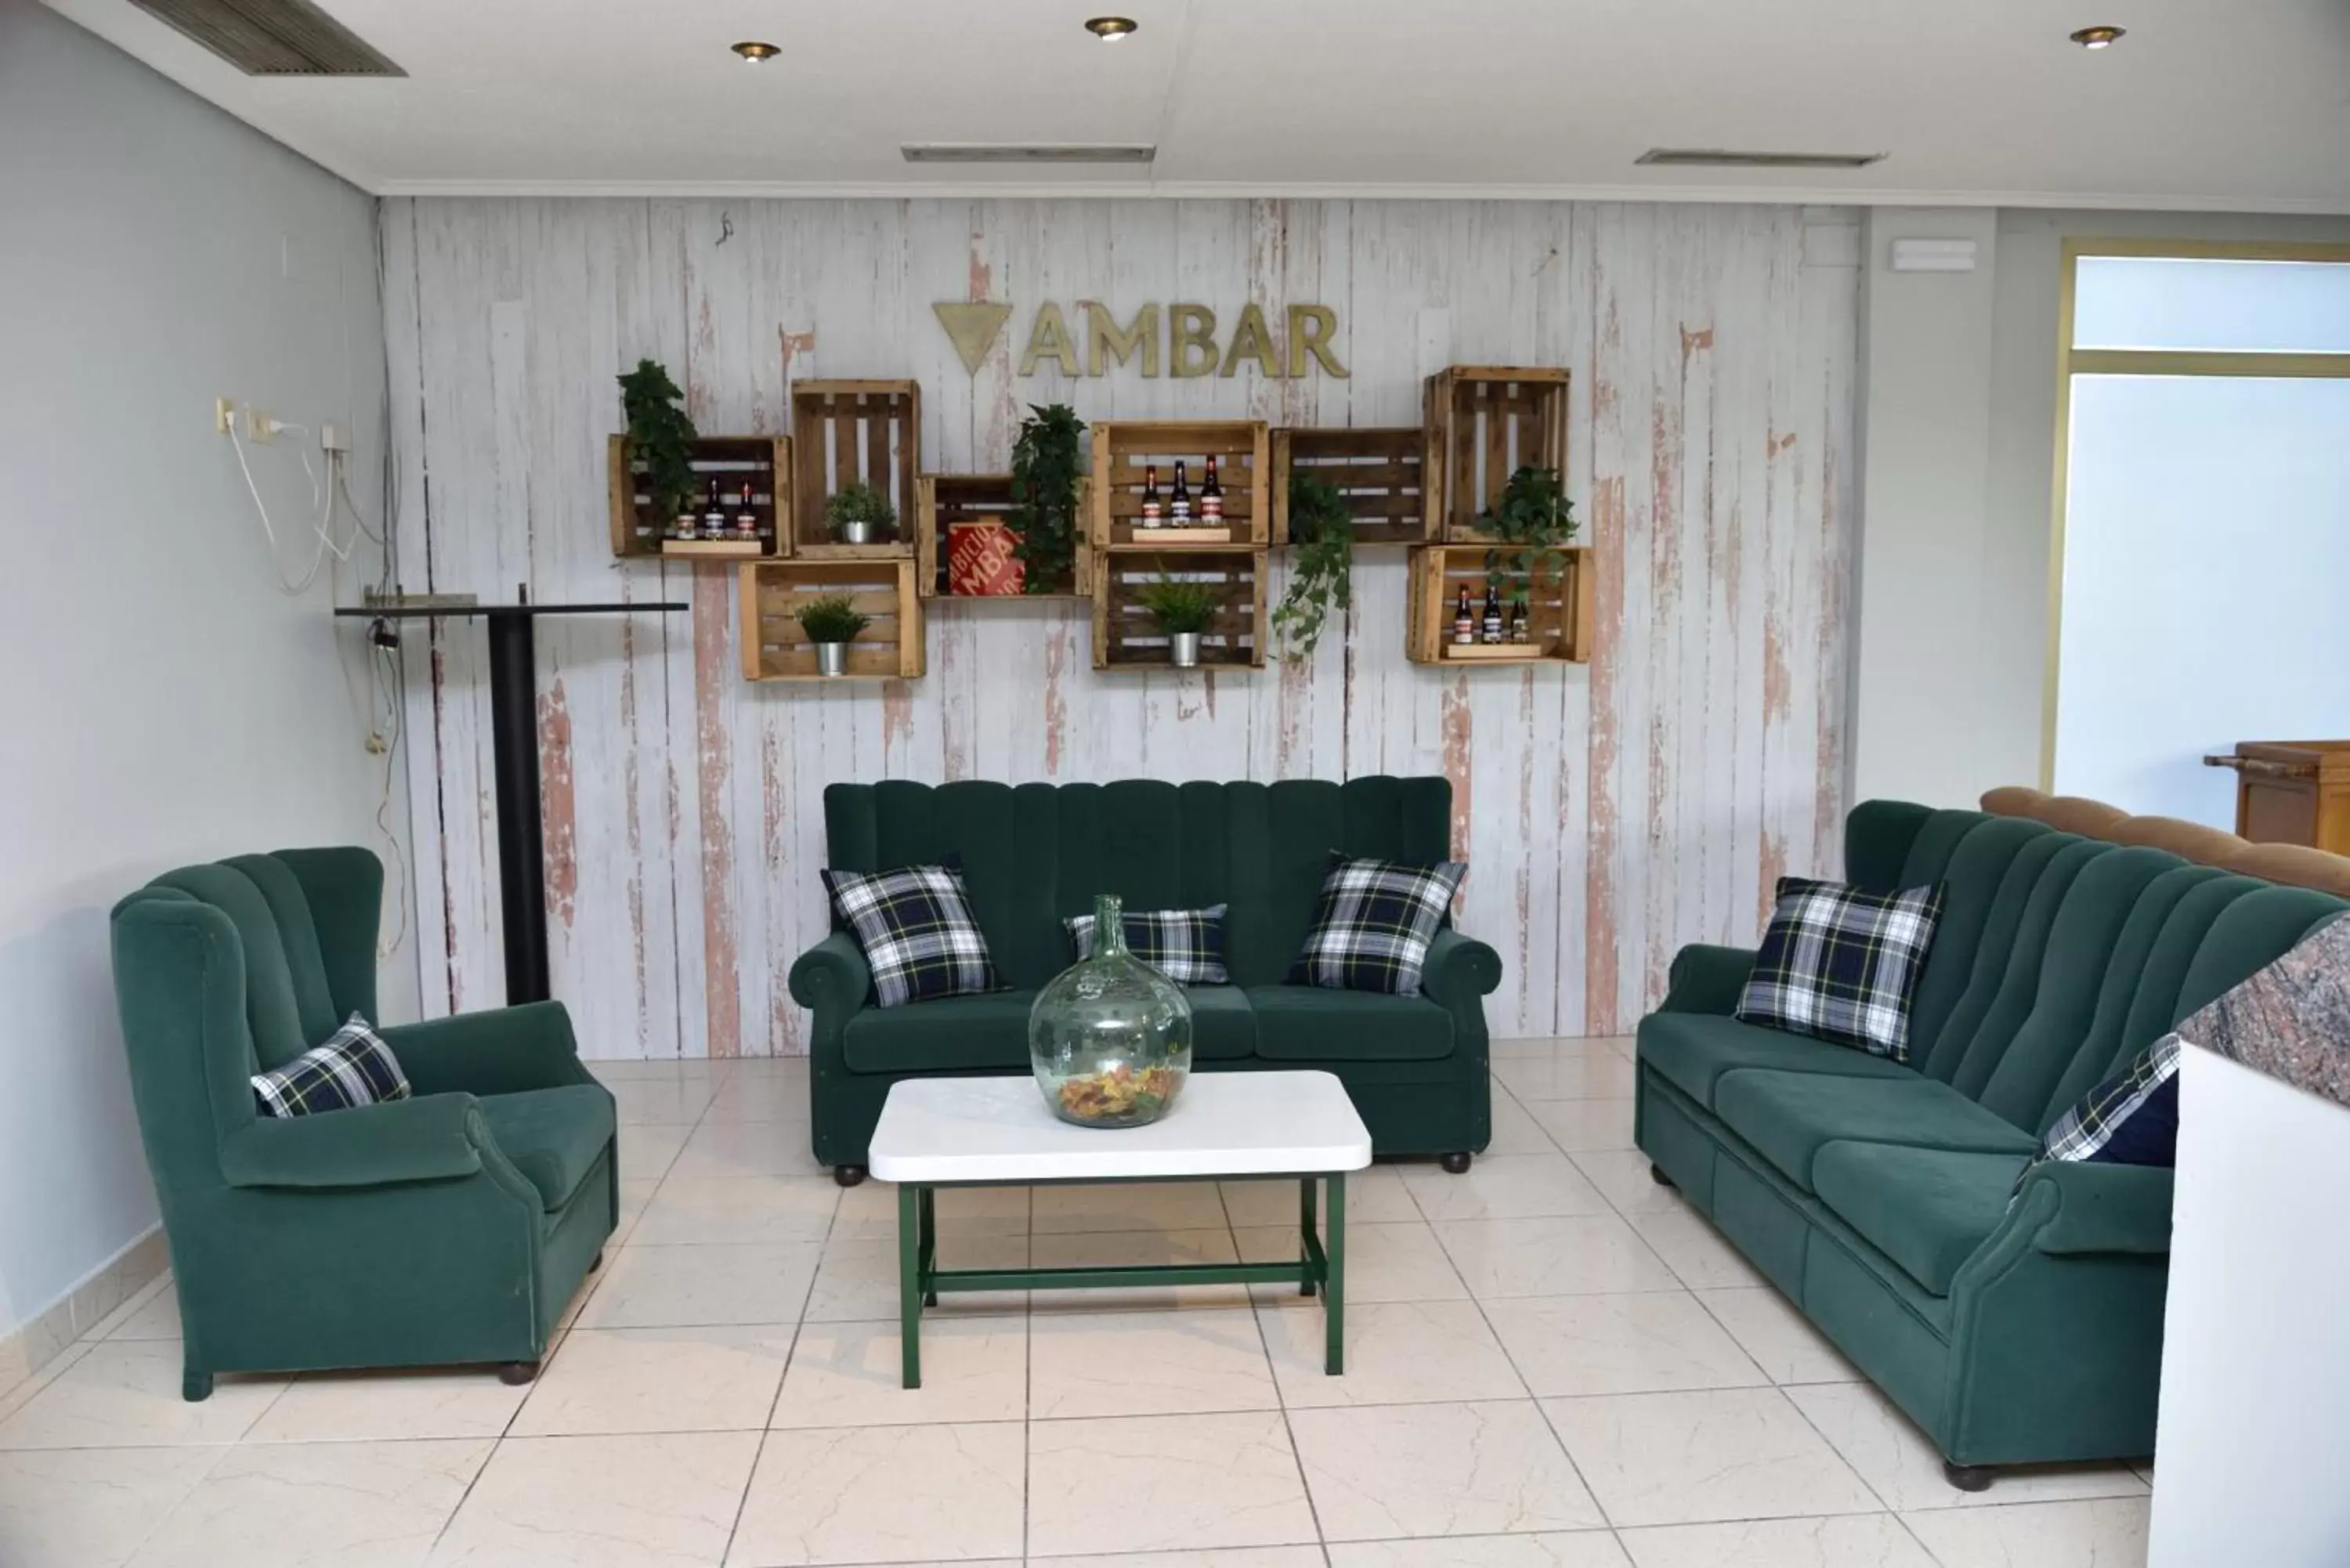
x,y
432,1139
1707,979
503,1051
832,976
1459,970
2100,1208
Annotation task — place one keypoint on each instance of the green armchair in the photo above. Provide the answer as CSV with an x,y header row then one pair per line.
x,y
453,1227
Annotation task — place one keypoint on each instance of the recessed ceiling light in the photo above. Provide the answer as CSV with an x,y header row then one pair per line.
x,y
1110,30
758,54
2097,37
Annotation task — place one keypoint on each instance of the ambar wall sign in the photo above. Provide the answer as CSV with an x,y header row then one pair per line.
x,y
1179,339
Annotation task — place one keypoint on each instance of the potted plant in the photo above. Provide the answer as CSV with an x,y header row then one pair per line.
x,y
832,622
1045,470
1181,609
660,439
1532,525
859,514
1322,572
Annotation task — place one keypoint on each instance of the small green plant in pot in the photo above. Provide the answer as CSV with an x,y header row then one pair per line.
x,y
1531,526
660,439
1045,470
1181,609
859,514
1321,575
832,622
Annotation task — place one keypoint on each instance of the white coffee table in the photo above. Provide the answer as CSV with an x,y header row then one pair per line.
x,y
1225,1127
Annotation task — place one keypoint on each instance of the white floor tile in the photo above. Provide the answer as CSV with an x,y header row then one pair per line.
x,y
1383,1263
1781,1341
1850,1540
672,1099
870,1210
384,1406
1576,1549
1568,1077
1147,1364
157,1317
1376,1196
852,1374
778,1095
355,1505
1697,1254
1229,1557
1624,1179
1902,1466
1687,1459
1579,1125
1128,1207
1504,1186
90,1508
1105,1248
648,1150
124,1393
1145,1484
737,1210
662,1501
1516,1130
2106,1533
856,1278
883,1494
1438,1470
1652,1341
690,1286
1398,1353
608,1381
1554,1256
747,1149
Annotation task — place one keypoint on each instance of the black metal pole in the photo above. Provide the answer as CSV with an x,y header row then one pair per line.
x,y
521,847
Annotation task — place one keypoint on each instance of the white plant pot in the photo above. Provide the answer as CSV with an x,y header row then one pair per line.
x,y
857,533
832,659
1183,648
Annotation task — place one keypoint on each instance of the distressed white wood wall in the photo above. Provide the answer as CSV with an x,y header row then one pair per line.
x,y
1608,815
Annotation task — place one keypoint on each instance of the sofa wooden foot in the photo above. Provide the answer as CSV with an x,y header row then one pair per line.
x,y
195,1386
1455,1163
1968,1478
848,1175
515,1374
1657,1175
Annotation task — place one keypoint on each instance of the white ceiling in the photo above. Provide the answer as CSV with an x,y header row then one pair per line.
x,y
2230,104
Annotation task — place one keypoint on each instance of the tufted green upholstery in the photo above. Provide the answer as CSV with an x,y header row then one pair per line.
x,y
452,1226
1033,855
1877,1194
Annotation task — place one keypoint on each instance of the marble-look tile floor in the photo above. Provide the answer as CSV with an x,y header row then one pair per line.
x,y
1555,1363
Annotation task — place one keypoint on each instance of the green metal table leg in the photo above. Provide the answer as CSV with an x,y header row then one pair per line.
x,y
1306,1205
910,1207
1334,1285
930,1242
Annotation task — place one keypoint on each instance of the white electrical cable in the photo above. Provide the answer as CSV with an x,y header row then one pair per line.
x,y
317,557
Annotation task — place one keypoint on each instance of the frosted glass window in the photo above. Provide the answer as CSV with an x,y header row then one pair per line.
x,y
2236,306
2207,550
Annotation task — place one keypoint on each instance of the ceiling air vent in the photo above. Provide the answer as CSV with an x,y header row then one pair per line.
x,y
272,38
1011,153
1714,158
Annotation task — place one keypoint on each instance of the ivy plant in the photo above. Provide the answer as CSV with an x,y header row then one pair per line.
x,y
1531,526
660,437
1046,472
1321,573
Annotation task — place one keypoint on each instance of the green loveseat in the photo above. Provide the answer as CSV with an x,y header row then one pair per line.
x,y
449,1228
1875,1196
1035,854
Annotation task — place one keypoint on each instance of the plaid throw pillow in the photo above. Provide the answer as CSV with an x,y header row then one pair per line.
x,y
1839,964
1372,927
2131,1118
1187,946
919,935
354,1068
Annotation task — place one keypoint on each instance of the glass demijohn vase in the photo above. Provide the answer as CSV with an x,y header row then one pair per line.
x,y
1110,1038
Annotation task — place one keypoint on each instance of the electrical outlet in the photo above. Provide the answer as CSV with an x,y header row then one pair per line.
x,y
259,428
335,438
223,416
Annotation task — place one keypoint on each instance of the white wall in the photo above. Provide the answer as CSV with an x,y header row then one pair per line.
x,y
2255,1380
163,700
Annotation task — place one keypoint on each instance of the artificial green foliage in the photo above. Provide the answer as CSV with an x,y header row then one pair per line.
x,y
660,437
855,502
1534,522
1179,605
833,618
1046,472
1321,573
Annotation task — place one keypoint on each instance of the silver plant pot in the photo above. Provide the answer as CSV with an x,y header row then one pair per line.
x,y
1183,648
832,659
859,531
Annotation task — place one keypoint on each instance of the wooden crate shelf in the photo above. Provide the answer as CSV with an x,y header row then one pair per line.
x,y
1123,449
945,500
1123,636
1559,611
775,649
853,432
1484,422
765,462
1379,473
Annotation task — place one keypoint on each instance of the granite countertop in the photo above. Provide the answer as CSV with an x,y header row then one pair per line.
x,y
2292,1019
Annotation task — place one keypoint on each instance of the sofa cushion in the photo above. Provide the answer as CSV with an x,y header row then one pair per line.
x,y
552,1135
1373,924
1789,1116
1309,1023
354,1068
1187,946
1926,1208
1840,964
1693,1050
966,1033
921,938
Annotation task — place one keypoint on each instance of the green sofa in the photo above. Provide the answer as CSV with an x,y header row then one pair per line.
x,y
1875,1196
1034,854
449,1228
